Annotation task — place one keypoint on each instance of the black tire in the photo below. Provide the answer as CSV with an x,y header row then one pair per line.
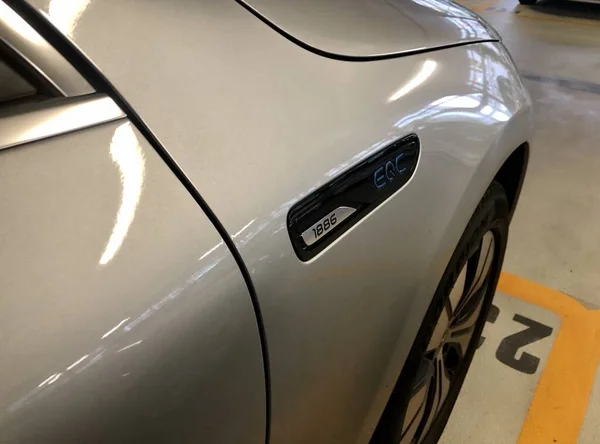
x,y
491,215
528,2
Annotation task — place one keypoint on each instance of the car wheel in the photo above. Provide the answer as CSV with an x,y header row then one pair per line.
x,y
446,342
528,2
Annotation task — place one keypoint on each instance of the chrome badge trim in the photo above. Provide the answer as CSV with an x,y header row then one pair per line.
x,y
326,225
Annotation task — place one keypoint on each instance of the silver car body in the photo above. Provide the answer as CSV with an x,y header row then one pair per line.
x,y
126,317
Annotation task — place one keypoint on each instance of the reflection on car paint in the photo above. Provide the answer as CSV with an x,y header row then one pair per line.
x,y
426,70
65,14
112,330
120,328
130,345
127,154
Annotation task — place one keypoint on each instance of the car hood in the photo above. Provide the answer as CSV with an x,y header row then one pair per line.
x,y
372,28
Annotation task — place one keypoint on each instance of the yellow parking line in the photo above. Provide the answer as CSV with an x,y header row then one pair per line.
x,y
480,7
560,401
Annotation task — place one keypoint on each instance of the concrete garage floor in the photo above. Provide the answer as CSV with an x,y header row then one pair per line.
x,y
555,237
535,378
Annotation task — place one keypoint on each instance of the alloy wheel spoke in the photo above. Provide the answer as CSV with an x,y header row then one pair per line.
x,y
411,433
415,412
441,327
443,383
457,291
461,334
450,306
441,380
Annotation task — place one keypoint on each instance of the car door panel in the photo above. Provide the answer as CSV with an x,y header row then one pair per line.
x,y
124,317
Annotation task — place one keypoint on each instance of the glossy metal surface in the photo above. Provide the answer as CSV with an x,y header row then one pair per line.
x,y
257,123
53,119
373,28
25,40
124,317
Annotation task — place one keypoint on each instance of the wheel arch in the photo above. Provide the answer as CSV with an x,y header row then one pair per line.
x,y
512,174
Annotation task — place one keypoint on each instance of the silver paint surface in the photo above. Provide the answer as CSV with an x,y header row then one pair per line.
x,y
25,41
256,122
52,119
361,28
124,317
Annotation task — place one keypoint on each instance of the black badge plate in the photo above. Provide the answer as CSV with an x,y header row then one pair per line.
x,y
320,218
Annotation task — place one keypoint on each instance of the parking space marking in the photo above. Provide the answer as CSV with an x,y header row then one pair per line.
x,y
480,7
590,431
561,398
506,370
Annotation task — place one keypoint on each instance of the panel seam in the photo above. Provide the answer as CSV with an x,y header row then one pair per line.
x,y
351,58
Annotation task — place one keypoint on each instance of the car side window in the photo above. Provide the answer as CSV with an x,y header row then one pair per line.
x,y
31,69
21,83
41,93
13,86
